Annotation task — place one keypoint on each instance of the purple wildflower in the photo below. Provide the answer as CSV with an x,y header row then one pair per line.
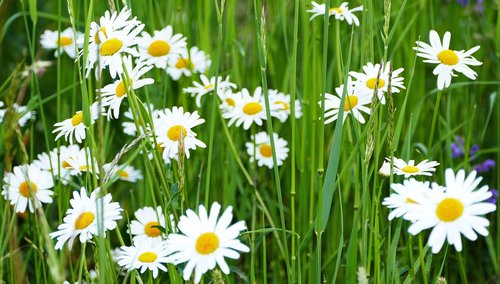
x,y
485,166
462,2
457,149
473,150
494,196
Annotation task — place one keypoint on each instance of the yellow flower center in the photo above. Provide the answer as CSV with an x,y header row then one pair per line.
x,y
252,108
449,209
77,118
174,132
84,168
285,105
350,103
209,86
338,10
371,83
120,90
409,200
184,63
207,243
266,150
230,102
65,164
64,40
148,257
96,36
124,174
448,57
24,188
159,48
410,169
110,47
151,229
84,220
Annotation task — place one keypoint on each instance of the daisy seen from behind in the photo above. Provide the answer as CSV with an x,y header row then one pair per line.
x,y
354,104
282,112
204,240
144,256
425,167
454,210
28,186
341,13
62,42
260,149
448,60
75,126
145,228
207,86
158,49
187,63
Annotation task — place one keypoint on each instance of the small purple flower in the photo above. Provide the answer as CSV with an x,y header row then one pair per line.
x,y
473,150
462,2
485,166
457,149
479,6
494,196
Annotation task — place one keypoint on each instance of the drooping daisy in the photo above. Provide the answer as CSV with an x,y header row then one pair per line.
x,y
385,169
82,218
207,86
57,163
129,126
74,126
28,186
114,93
164,44
144,256
81,162
145,229
406,198
365,82
283,101
123,172
65,42
425,168
260,149
196,61
248,109
170,125
448,60
354,104
341,13
204,241
456,210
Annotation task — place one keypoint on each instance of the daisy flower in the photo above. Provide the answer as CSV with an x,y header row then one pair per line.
x,y
205,241
455,210
248,109
170,125
123,172
365,82
228,101
385,169
196,61
144,256
129,127
22,112
283,101
158,49
425,168
341,13
260,149
207,86
448,60
81,219
114,93
28,186
74,126
354,104
406,198
65,42
81,161
52,161
145,228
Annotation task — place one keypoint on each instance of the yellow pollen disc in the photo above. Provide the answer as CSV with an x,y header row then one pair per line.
x,y
252,108
209,86
96,36
230,102
24,188
148,257
120,90
84,220
350,103
124,174
449,209
184,63
338,10
110,47
448,57
285,106
65,164
410,169
77,118
174,132
84,168
266,150
158,48
409,200
207,243
151,230
64,40
371,83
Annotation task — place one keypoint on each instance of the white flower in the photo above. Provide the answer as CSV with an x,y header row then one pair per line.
x,y
144,256
207,86
204,241
366,81
80,162
385,169
354,104
51,161
186,64
425,167
22,112
74,126
283,102
114,93
454,210
171,125
65,42
260,149
123,172
341,13
448,60
406,198
28,186
145,228
158,49
248,109
129,127
82,218
228,101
